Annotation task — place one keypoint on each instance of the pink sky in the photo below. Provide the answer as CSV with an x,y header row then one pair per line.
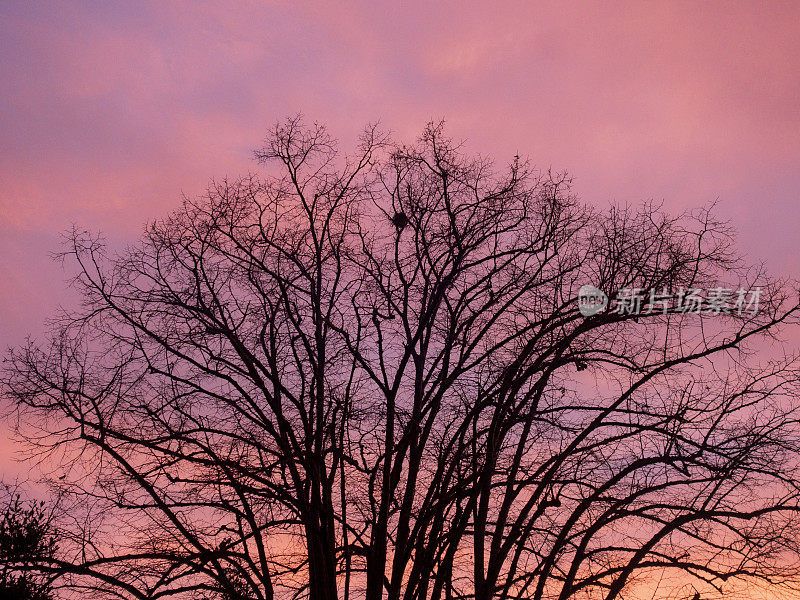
x,y
108,111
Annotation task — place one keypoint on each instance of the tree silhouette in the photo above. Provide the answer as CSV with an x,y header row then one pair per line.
x,y
368,377
26,543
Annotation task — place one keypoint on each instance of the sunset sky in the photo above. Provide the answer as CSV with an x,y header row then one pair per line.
x,y
110,110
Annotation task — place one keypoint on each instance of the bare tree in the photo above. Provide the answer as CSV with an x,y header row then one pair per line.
x,y
368,377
